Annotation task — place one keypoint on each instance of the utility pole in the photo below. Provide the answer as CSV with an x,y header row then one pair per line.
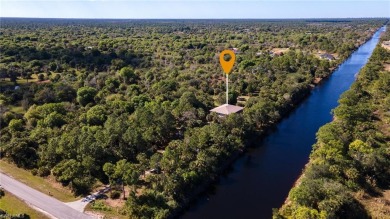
x,y
227,88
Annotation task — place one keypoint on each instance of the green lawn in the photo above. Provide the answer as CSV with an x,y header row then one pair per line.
x,y
44,185
13,205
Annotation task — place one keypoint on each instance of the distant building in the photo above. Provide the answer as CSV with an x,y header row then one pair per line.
x,y
227,109
236,50
386,44
327,56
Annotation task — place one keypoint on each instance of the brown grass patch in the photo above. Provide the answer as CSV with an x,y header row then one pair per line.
x,y
378,207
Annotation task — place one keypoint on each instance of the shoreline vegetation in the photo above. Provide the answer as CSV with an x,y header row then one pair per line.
x,y
91,119
348,175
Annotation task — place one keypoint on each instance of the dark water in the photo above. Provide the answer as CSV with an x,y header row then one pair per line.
x,y
262,178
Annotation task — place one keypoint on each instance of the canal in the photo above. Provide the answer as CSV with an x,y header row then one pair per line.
x,y
261,179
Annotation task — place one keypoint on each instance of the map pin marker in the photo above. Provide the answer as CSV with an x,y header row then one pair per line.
x,y
227,65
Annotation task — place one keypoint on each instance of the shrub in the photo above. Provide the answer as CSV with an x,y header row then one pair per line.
x,y
43,171
115,195
16,125
99,205
86,95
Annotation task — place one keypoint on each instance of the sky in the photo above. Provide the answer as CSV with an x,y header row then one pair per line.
x,y
198,9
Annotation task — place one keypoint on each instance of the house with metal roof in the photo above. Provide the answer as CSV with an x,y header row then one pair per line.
x,y
227,109
327,56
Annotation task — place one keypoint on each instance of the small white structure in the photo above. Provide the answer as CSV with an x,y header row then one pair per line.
x,y
327,56
236,50
227,109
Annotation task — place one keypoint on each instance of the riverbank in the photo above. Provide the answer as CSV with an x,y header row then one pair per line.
x,y
362,189
297,182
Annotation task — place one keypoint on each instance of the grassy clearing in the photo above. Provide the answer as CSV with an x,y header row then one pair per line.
x,y
20,81
17,109
107,211
45,185
24,81
13,205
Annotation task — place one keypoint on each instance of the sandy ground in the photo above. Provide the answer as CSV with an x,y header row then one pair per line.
x,y
280,50
317,80
77,205
387,66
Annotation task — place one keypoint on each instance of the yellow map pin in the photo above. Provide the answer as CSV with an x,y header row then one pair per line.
x,y
227,65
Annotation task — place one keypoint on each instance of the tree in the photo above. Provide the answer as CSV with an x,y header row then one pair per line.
x,y
65,93
109,170
54,119
112,84
46,95
86,95
303,212
127,74
41,77
122,172
16,125
71,172
22,152
151,204
96,115
360,146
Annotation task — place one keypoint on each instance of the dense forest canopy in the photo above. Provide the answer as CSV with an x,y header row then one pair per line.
x,y
107,100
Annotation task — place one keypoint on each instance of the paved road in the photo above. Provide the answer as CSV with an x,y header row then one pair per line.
x,y
44,202
78,205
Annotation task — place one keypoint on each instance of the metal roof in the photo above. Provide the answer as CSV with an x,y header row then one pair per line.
x,y
227,109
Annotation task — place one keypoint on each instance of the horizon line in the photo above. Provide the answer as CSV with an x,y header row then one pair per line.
x,y
291,18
